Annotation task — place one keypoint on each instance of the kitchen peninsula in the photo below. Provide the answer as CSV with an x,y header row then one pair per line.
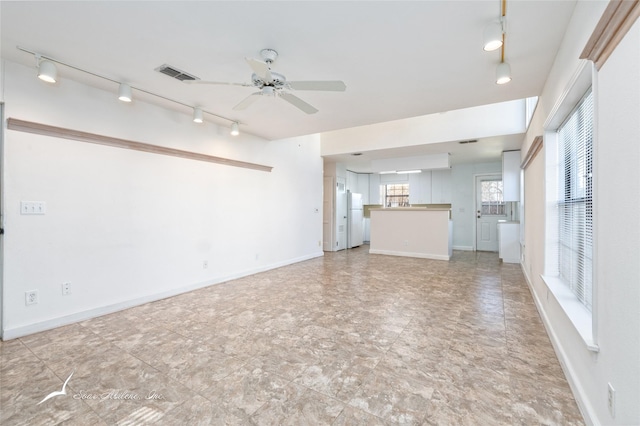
x,y
412,232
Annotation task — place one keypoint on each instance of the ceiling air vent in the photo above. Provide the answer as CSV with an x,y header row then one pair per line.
x,y
469,141
175,73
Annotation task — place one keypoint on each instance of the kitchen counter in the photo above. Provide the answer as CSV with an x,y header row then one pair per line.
x,y
412,232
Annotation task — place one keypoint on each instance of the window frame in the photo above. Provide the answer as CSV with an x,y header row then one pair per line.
x,y
583,320
571,198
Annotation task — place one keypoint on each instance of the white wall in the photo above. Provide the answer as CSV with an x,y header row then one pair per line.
x,y
125,227
617,227
618,232
463,201
505,118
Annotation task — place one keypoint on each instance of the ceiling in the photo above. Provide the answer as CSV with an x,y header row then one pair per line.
x,y
398,59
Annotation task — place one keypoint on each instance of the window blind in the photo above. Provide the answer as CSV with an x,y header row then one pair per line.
x,y
575,202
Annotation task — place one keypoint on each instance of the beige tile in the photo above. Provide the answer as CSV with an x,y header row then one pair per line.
x,y
244,391
544,403
345,339
395,392
296,406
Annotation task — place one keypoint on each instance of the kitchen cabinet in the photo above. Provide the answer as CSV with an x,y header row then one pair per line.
x,y
511,175
374,189
420,188
441,186
509,242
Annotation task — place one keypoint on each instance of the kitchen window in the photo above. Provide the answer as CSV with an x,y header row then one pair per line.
x,y
395,194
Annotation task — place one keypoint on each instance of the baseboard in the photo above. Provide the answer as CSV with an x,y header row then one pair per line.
x,y
579,393
410,254
463,248
21,331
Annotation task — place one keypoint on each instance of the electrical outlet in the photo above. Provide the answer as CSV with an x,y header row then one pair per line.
x,y
205,264
66,288
31,297
611,400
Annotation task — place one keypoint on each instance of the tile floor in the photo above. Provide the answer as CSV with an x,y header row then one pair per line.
x,y
346,339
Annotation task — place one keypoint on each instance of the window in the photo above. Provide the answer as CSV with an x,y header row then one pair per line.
x,y
575,203
395,195
492,198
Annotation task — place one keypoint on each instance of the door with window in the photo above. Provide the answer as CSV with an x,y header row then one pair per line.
x,y
490,208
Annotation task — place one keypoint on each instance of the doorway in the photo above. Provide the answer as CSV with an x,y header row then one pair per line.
x,y
490,208
2,221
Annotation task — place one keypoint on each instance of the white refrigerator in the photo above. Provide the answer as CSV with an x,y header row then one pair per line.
x,y
355,220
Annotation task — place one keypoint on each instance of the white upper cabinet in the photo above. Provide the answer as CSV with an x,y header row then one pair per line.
x,y
363,187
441,186
374,189
511,175
420,187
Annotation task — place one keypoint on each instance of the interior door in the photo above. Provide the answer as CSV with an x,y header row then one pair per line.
x,y
341,213
328,214
490,208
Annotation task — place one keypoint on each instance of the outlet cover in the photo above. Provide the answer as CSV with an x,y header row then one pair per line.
x,y
66,289
31,297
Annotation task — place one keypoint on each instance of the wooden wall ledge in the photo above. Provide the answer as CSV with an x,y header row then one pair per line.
x,y
617,19
534,149
59,132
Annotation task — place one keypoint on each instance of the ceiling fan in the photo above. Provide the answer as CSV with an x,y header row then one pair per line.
x,y
274,84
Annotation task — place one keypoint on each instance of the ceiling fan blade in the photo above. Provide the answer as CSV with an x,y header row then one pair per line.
x,y
247,101
260,68
217,82
298,103
327,86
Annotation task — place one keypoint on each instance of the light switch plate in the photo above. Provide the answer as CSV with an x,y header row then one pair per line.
x,y
33,207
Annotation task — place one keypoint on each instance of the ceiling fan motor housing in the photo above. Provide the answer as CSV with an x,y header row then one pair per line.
x,y
277,80
269,55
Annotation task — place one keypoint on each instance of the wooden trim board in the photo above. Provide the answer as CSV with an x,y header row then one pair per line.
x,y
535,147
614,24
60,132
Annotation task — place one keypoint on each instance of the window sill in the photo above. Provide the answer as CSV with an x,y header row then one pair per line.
x,y
577,313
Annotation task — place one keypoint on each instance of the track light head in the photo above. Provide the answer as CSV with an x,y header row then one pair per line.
x,y
503,73
124,93
493,35
197,115
47,71
235,131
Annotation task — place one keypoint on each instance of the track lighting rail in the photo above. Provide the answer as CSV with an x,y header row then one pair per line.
x,y
40,57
